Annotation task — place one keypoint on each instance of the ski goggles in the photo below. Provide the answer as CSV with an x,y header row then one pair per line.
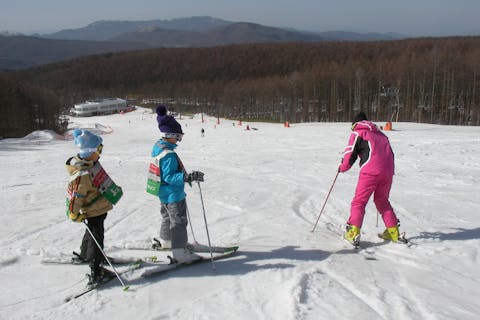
x,y
177,136
99,149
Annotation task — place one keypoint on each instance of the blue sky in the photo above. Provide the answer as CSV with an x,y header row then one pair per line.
x,y
411,17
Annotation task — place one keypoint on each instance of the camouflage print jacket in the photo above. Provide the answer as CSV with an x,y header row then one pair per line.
x,y
83,197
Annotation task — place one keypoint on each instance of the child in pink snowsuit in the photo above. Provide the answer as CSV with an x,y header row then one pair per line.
x,y
376,171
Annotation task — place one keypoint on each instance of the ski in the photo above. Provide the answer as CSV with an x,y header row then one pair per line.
x,y
195,247
130,268
74,259
164,267
357,244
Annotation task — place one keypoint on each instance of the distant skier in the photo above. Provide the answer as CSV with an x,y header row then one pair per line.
x,y
376,173
203,132
170,188
90,195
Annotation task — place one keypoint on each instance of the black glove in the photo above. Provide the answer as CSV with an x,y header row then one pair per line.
x,y
194,176
197,176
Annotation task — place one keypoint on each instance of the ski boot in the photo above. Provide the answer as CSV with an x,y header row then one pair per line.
x,y
394,235
99,275
107,273
184,255
94,279
352,235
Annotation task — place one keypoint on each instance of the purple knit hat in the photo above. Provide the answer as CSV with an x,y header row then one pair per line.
x,y
169,127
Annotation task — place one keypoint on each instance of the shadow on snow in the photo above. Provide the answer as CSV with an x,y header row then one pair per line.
x,y
243,262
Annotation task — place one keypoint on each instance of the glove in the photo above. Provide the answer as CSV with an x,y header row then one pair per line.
x,y
77,217
194,176
197,176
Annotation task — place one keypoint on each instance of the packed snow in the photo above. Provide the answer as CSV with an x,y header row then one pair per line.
x,y
263,191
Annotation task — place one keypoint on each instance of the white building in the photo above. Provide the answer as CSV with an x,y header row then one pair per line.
x,y
99,107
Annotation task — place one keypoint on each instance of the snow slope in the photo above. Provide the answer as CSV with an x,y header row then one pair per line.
x,y
263,191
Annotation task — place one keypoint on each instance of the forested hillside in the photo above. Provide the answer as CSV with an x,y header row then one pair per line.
x,y
431,80
25,107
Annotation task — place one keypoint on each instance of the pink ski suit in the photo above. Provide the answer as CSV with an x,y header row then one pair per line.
x,y
376,172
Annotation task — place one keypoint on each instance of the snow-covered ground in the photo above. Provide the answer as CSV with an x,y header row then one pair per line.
x,y
263,191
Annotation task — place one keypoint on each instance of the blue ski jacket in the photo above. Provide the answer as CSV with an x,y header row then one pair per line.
x,y
171,173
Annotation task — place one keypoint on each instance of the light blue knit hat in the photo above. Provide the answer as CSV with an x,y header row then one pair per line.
x,y
86,141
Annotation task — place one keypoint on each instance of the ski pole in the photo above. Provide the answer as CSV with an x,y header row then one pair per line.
x,y
191,226
125,288
323,207
206,226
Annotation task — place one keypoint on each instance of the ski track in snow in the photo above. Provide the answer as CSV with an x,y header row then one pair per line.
x,y
263,190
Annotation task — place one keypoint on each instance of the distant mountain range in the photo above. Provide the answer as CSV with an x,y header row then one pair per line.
x,y
107,30
18,51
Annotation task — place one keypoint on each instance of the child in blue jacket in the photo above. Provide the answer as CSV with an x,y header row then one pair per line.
x,y
172,177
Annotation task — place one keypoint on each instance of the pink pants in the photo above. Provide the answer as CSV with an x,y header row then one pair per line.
x,y
380,187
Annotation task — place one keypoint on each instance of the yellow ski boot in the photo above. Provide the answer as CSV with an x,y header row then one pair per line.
x,y
352,235
392,234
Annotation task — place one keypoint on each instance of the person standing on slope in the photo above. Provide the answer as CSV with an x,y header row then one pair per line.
x,y
373,148
90,195
172,177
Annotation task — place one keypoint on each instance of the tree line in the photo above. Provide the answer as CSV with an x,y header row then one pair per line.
x,y
25,108
430,80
